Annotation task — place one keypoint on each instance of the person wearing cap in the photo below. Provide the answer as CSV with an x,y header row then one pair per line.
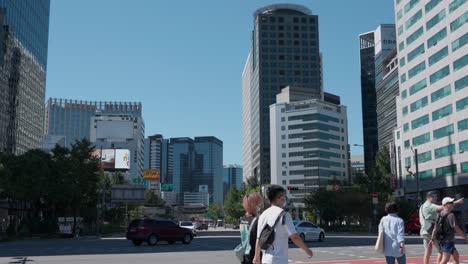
x,y
449,227
427,216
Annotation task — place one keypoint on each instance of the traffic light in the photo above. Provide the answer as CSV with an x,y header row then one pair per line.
x,y
290,188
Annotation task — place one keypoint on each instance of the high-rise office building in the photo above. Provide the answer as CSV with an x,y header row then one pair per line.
x,y
309,143
28,21
157,156
284,51
121,131
433,102
232,176
24,33
374,47
72,118
197,166
386,93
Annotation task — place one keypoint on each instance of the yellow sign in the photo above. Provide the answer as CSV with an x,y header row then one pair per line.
x,y
152,175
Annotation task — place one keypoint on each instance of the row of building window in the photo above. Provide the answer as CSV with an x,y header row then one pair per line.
x,y
442,53
274,50
437,133
288,35
290,65
442,112
281,42
316,153
439,93
289,28
313,135
287,19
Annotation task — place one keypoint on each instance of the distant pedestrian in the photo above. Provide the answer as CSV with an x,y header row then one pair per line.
x,y
394,235
427,217
284,229
248,226
444,231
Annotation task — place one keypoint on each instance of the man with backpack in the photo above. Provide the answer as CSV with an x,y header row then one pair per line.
x,y
444,231
275,226
427,217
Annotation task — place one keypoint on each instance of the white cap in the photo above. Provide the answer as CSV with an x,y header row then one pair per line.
x,y
447,200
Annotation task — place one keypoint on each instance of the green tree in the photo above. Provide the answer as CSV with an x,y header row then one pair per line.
x,y
215,211
233,205
153,199
84,178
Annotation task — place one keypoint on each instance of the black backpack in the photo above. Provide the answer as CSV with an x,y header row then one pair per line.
x,y
440,227
267,236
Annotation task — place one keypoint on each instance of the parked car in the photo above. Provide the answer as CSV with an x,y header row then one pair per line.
x,y
202,226
189,225
152,231
412,226
309,231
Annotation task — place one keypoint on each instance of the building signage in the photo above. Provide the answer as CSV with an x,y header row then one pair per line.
x,y
122,159
202,188
111,159
153,175
384,38
166,187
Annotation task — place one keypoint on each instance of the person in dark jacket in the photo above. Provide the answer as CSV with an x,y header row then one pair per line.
x,y
248,224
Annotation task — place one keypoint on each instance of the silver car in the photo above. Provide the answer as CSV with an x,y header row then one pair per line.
x,y
308,231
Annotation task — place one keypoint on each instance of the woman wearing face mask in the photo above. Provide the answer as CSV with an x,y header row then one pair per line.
x,y
248,224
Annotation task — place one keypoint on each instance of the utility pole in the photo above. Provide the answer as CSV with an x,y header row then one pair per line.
x,y
418,196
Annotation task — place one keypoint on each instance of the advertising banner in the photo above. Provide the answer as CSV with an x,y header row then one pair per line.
x,y
107,159
122,159
153,175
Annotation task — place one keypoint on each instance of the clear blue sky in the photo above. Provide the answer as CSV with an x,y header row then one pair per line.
x,y
184,59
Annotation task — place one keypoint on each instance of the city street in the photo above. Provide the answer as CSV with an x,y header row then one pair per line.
x,y
208,247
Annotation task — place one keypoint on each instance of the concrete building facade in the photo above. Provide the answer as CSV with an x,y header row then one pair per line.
x,y
433,102
309,143
284,51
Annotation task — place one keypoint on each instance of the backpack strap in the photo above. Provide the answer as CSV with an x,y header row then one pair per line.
x,y
281,215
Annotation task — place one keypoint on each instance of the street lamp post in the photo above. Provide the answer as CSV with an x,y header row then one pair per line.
x,y
416,174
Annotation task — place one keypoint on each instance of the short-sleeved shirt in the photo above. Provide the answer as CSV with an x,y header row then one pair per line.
x,y
427,217
449,235
278,253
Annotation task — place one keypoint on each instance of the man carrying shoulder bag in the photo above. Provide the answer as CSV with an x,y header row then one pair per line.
x,y
275,226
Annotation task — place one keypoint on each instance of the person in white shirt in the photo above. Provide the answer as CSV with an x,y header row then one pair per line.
x,y
394,230
278,253
427,216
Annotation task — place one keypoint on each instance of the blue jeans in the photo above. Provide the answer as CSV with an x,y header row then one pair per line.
x,y
400,260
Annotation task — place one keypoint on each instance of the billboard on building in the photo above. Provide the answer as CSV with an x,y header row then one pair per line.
x,y
122,159
114,129
202,188
107,159
153,175
111,159
384,38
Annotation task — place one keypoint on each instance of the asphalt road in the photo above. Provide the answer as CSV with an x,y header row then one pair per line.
x,y
208,247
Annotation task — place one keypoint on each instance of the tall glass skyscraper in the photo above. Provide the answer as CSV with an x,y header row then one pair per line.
x,y
374,47
284,51
197,165
28,20
24,33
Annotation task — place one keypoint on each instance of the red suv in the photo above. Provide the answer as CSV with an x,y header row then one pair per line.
x,y
152,231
